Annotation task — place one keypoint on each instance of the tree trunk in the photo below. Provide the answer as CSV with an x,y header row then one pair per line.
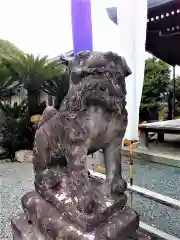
x,y
50,100
153,115
143,115
33,101
57,102
169,117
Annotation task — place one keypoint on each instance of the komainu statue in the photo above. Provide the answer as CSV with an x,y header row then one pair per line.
x,y
66,203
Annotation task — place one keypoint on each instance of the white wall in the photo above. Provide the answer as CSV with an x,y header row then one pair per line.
x,y
22,95
43,97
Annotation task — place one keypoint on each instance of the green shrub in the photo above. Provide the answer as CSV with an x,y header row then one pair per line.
x,y
16,131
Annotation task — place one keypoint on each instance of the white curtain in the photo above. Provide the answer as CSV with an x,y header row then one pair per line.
x,y
132,21
128,40
105,32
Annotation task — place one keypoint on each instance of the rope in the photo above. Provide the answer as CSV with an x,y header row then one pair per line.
x,y
131,170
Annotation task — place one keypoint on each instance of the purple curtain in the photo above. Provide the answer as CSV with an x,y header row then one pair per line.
x,y
81,25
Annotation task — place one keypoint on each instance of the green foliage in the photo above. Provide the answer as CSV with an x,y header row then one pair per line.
x,y
15,111
58,87
156,82
16,130
177,95
177,88
17,68
8,50
33,71
155,89
8,81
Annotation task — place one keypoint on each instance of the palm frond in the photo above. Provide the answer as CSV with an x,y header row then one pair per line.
x,y
35,70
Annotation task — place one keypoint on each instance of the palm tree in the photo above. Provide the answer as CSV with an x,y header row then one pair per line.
x,y
32,72
57,87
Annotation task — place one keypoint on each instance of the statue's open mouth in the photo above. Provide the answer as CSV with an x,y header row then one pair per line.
x,y
104,93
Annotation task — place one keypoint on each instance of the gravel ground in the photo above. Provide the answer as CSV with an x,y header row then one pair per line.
x,y
161,179
17,178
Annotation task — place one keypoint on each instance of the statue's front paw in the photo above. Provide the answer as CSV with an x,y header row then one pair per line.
x,y
81,192
119,185
85,202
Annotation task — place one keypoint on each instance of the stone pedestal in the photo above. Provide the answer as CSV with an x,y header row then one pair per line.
x,y
42,221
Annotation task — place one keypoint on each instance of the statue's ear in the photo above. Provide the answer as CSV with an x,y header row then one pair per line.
x,y
125,68
75,70
120,62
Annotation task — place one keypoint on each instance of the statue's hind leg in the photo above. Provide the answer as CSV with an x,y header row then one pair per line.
x,y
112,155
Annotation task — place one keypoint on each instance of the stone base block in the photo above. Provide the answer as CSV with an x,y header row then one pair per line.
x,y
45,219
36,206
23,230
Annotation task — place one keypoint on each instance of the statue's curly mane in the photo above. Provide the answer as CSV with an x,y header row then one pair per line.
x,y
97,79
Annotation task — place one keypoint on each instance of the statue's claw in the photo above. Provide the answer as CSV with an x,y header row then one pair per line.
x,y
85,202
118,185
79,179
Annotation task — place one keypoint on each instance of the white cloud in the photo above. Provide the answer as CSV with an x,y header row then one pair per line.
x,y
37,26
44,26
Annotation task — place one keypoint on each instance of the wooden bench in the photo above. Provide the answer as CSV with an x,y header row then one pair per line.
x,y
162,127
